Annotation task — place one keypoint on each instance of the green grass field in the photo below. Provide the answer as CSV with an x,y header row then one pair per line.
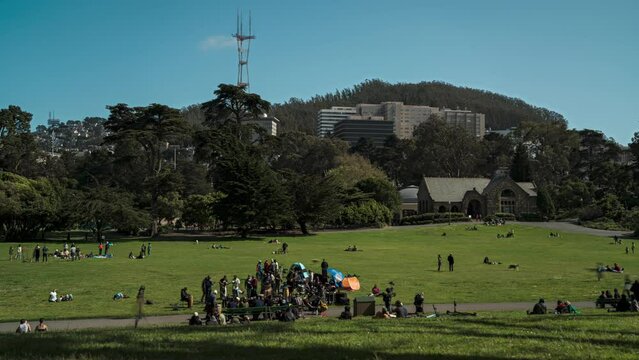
x,y
549,267
487,336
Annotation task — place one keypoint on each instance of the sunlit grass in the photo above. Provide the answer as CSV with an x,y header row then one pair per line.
x,y
548,267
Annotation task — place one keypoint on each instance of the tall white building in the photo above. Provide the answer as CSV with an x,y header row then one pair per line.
x,y
327,118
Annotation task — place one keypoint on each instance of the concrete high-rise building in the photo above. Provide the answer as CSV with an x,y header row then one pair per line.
x,y
327,118
405,118
474,123
268,123
352,130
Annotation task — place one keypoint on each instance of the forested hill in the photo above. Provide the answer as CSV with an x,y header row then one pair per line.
x,y
501,111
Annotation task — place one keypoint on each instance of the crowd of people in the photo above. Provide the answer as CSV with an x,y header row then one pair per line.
x,y
272,285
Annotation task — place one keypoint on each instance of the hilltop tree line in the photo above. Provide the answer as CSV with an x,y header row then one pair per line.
x,y
501,112
205,167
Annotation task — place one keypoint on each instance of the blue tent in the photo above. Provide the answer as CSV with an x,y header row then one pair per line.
x,y
301,268
336,275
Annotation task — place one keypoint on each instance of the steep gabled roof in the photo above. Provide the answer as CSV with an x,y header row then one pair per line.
x,y
453,189
528,187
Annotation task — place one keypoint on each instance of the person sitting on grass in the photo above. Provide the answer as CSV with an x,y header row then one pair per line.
x,y
346,314
195,319
185,296
623,304
24,327
539,308
616,295
42,327
400,310
617,268
53,295
382,314
561,308
375,291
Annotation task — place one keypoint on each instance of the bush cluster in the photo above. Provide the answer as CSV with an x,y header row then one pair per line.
x,y
434,218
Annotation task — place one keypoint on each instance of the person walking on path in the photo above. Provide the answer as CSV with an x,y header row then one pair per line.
x,y
439,262
451,262
140,304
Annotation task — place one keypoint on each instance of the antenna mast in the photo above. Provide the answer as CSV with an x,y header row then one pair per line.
x,y
243,48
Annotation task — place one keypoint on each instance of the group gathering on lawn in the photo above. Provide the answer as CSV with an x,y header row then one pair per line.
x,y
288,292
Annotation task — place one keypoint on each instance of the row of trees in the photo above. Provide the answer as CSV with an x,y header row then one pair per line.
x,y
205,167
157,169
578,173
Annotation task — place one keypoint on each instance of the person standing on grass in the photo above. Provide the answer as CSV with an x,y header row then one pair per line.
x,y
36,253
451,262
19,252
627,250
148,250
45,253
439,262
206,287
10,253
324,271
633,247
419,303
100,247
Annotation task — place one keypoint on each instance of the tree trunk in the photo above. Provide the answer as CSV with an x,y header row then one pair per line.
x,y
154,211
303,227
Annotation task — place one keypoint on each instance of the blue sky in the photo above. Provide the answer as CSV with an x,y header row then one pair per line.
x,y
74,57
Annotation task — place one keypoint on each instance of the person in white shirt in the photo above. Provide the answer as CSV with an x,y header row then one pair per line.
x,y
53,296
24,327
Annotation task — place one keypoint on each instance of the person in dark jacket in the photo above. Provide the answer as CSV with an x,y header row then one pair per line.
x,y
539,308
451,262
419,303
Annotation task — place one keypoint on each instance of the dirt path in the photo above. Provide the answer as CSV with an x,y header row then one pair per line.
x,y
76,324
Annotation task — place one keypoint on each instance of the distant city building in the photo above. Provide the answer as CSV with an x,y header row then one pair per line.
x,y
327,118
354,129
502,132
474,123
405,118
268,123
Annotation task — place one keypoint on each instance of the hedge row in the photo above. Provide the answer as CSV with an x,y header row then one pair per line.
x,y
434,218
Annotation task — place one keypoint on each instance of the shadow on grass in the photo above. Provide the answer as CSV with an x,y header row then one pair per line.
x,y
161,345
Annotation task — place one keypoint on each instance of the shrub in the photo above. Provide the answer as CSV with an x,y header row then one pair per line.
x,y
434,218
364,214
530,217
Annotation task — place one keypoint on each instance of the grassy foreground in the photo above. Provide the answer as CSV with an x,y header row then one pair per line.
x,y
549,267
488,336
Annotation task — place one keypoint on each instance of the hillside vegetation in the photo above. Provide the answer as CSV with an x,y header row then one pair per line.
x,y
501,111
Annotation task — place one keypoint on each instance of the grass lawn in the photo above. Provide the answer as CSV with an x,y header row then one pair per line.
x,y
487,336
549,267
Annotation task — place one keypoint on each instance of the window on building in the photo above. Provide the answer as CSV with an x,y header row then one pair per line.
x,y
507,201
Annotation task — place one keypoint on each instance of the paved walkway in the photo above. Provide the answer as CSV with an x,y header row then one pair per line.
x,y
75,324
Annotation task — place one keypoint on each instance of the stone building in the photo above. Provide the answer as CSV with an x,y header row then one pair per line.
x,y
477,196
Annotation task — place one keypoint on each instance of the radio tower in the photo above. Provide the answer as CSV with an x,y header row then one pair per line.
x,y
243,48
